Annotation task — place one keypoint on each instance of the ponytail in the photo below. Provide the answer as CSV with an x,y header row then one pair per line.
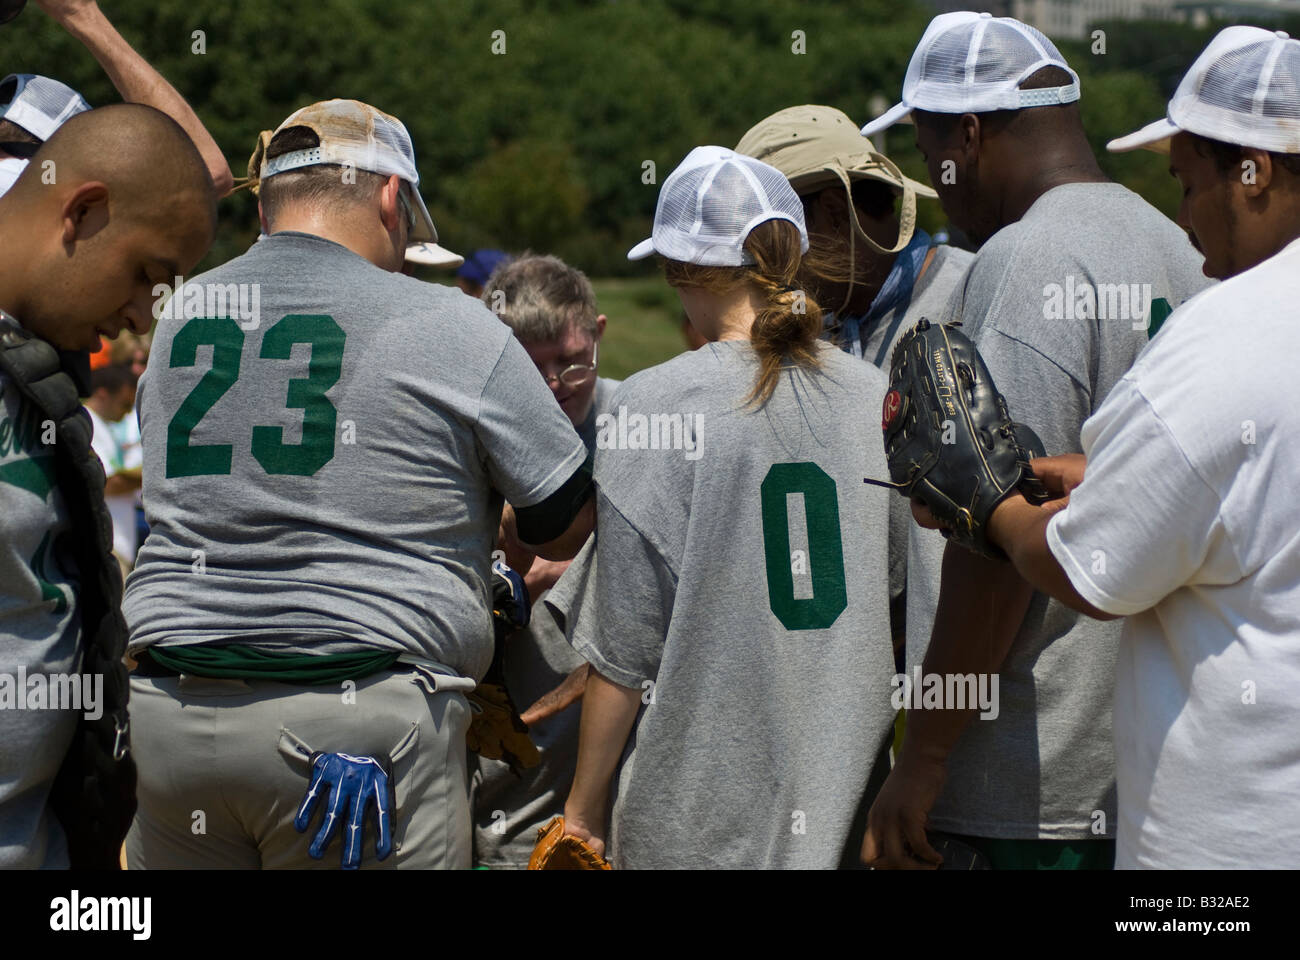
x,y
789,323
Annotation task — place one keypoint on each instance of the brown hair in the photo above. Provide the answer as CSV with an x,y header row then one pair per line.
x,y
789,324
543,297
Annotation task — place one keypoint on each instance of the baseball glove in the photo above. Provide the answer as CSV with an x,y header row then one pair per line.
x,y
950,442
495,730
555,851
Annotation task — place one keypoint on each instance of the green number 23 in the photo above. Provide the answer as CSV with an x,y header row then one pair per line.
x,y
303,459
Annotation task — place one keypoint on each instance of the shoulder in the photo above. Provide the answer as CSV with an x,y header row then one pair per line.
x,y
950,259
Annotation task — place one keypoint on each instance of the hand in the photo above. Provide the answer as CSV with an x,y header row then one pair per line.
x,y
922,515
576,826
1060,474
569,692
895,838
543,575
353,784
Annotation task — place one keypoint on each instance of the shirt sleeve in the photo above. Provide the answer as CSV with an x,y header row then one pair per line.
x,y
531,446
1143,522
631,596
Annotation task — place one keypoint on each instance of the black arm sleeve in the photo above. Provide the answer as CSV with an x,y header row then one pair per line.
x,y
543,522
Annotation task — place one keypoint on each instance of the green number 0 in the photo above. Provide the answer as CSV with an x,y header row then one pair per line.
x,y
825,547
227,340
319,419
307,394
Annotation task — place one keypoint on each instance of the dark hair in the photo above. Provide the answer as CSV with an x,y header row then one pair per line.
x,y
1228,156
318,184
111,378
789,324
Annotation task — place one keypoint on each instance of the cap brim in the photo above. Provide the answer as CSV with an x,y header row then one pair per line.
x,y
425,231
1154,136
645,248
898,113
432,255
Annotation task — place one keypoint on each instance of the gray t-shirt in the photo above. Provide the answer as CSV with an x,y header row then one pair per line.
x,y
508,809
332,480
1046,764
742,583
39,633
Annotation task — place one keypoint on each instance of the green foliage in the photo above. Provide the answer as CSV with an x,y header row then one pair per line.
x,y
545,146
542,147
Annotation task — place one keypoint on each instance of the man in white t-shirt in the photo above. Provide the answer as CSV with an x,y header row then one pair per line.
x,y
1187,522
112,399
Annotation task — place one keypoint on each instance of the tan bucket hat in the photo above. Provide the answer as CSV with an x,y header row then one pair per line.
x,y
815,146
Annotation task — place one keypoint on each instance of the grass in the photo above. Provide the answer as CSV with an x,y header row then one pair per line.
x,y
644,324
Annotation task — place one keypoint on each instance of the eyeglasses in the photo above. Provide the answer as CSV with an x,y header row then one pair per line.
x,y
577,374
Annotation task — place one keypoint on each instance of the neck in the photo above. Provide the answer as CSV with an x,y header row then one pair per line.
x,y
736,313
100,406
1070,162
318,224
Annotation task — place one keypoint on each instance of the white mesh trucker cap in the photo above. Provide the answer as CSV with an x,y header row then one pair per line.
x,y
40,105
356,134
1244,88
711,202
974,63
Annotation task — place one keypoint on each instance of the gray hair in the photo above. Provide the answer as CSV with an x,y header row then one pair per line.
x,y
539,296
320,186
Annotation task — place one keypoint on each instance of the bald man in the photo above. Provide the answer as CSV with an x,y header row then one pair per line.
x,y
117,200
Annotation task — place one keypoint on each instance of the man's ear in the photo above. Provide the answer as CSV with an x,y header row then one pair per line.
x,y
390,208
600,327
971,133
1255,170
85,212
261,217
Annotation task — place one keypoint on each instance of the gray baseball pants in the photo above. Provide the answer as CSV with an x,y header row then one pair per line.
x,y
223,768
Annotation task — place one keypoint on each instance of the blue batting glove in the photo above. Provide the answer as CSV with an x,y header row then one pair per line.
x,y
352,784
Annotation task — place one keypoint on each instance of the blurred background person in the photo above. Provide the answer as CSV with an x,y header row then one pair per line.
x,y
473,274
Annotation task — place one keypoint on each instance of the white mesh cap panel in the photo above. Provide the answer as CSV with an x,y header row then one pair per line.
x,y
1244,88
1248,94
711,202
974,63
40,105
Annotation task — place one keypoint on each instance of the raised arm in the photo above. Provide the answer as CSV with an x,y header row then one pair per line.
x,y
135,79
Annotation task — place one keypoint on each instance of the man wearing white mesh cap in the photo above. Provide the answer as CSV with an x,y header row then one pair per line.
x,y
1073,273
32,107
323,486
1188,495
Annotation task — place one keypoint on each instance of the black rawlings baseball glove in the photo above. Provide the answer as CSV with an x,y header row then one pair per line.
x,y
950,442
